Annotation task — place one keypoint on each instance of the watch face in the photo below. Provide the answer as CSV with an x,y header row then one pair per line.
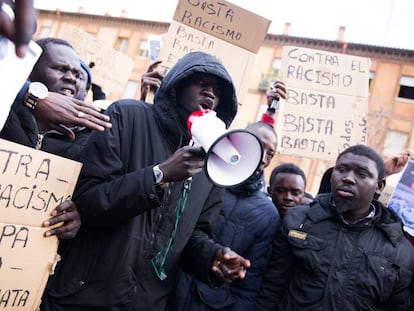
x,y
158,175
38,89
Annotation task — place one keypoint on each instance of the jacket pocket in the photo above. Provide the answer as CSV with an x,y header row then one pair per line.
x,y
381,277
309,251
215,298
108,294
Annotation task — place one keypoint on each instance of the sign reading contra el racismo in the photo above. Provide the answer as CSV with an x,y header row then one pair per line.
x,y
327,101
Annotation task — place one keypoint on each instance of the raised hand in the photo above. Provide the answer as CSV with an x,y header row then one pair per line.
x,y
151,80
60,112
396,163
276,91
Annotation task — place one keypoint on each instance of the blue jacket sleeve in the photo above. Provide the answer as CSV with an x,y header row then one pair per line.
x,y
276,277
246,291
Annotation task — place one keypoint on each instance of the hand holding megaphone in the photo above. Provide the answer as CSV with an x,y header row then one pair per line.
x,y
231,156
184,163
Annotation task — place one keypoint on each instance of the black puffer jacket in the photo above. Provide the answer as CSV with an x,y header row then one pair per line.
x,y
321,263
124,222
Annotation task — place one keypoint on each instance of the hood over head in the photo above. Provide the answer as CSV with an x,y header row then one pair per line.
x,y
165,103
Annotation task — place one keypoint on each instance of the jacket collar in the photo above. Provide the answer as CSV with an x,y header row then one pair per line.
x,y
253,184
384,219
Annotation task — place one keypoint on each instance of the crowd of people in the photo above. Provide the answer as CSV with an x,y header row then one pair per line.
x,y
146,228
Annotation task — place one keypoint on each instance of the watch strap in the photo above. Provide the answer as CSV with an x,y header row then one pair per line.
x,y
31,101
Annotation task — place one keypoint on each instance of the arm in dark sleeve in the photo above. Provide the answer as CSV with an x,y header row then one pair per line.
x,y
258,253
107,193
403,296
200,251
277,275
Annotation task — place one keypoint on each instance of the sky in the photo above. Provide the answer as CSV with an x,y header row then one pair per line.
x,y
387,23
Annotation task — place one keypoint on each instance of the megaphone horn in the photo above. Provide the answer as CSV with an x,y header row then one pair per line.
x,y
232,156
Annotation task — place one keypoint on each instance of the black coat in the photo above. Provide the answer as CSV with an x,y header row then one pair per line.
x,y
125,219
321,263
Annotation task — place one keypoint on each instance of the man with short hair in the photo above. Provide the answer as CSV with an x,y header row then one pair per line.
x,y
287,186
345,251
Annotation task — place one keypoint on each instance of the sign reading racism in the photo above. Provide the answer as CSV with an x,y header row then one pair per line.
x,y
231,33
32,184
327,101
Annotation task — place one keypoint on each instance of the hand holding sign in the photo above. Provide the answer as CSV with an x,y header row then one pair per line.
x,y
67,214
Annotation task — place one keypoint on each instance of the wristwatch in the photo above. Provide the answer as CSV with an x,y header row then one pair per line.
x,y
37,90
158,175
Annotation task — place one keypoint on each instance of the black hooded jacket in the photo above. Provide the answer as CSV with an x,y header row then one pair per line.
x,y
125,219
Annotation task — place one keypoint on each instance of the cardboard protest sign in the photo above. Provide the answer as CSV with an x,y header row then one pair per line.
x,y
231,33
327,101
112,68
32,184
224,20
402,198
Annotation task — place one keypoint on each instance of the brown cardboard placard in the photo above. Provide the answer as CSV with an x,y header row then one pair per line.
x,y
237,50
224,20
327,101
32,184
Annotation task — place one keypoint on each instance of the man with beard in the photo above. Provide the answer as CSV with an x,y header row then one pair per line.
x,y
345,251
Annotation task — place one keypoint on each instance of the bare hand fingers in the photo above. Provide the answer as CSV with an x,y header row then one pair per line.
x,y
154,65
64,130
221,274
66,231
92,119
154,83
72,216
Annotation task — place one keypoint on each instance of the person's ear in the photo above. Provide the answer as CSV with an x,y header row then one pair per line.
x,y
380,186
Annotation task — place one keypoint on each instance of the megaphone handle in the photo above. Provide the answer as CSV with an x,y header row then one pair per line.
x,y
275,104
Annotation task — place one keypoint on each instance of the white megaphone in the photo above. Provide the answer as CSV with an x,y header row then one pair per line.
x,y
232,156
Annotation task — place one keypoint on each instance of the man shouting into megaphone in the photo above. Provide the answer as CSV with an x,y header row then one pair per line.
x,y
146,203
